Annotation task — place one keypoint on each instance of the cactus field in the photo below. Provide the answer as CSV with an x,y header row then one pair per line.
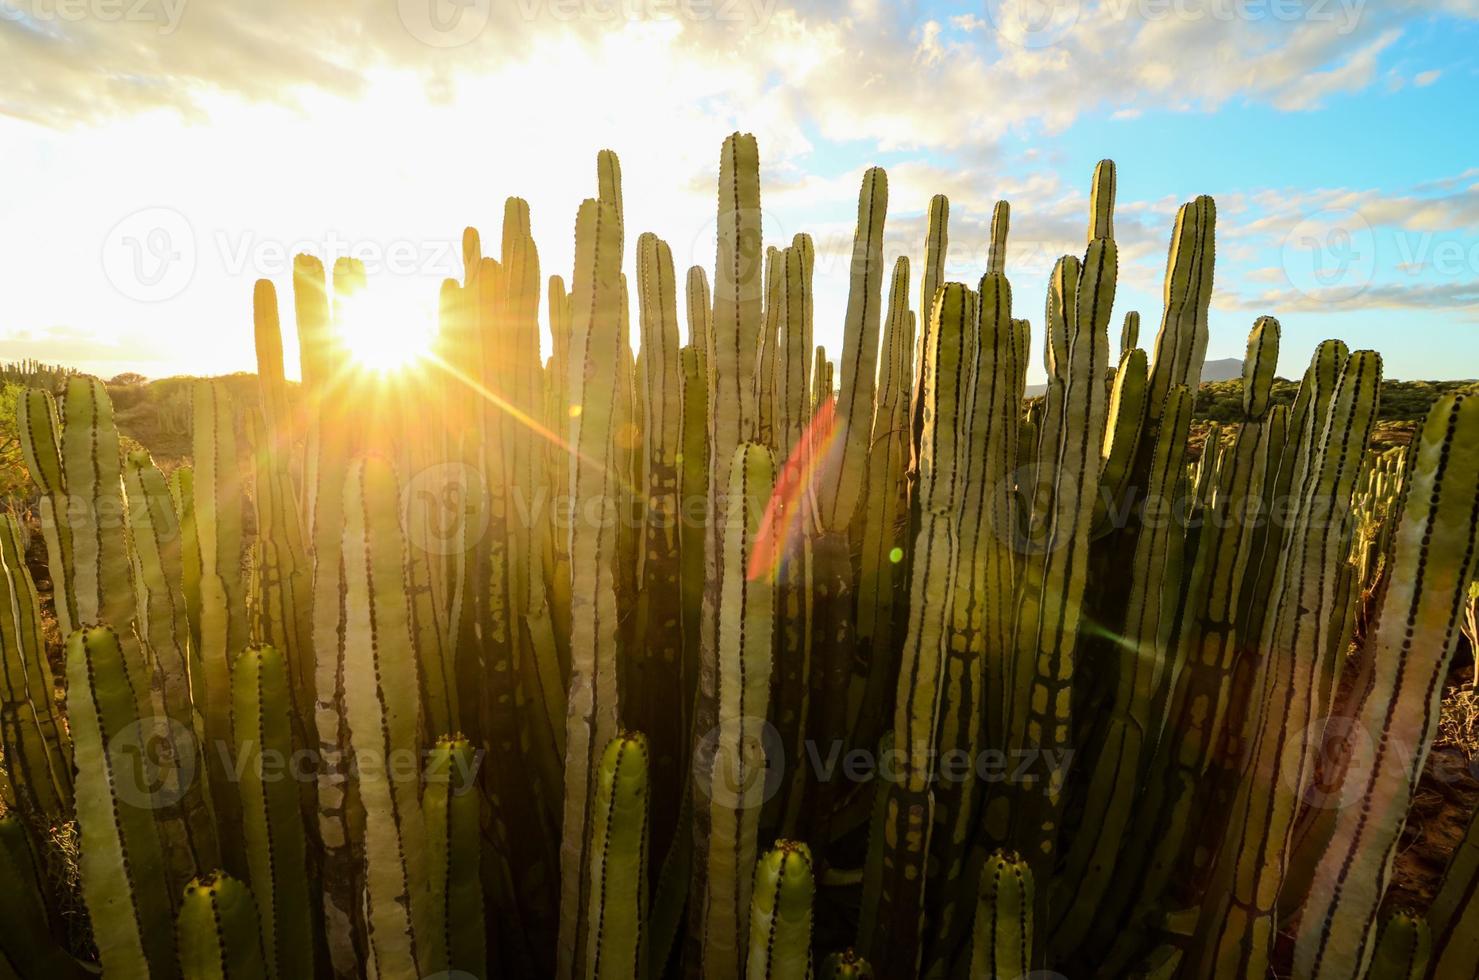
x,y
630,634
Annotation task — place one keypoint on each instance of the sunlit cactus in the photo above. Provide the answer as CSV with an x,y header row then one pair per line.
x,y
751,653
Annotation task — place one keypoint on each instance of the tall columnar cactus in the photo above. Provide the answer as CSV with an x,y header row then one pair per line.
x,y
976,666
328,447
1402,948
217,513
1051,590
163,629
838,483
657,672
895,550
618,871
35,742
882,572
282,581
123,871
1240,917
781,914
218,931
41,433
1002,942
900,842
383,712
1416,636
591,719
732,344
1453,918
451,805
736,781
276,848
1130,720
98,563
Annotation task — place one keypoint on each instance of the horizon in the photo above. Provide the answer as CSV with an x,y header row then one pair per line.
x,y
150,187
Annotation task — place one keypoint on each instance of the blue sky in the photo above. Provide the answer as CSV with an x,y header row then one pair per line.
x,y
160,155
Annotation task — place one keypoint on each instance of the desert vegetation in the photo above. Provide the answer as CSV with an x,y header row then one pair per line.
x,y
689,648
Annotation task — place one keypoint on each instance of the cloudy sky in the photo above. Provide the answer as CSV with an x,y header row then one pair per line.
x,y
158,156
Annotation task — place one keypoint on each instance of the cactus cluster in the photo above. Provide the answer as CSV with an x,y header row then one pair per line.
x,y
681,650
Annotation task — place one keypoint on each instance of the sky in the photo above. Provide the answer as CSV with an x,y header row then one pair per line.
x,y
157,157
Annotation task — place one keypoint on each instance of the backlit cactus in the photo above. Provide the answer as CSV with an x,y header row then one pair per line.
x,y
751,651
218,932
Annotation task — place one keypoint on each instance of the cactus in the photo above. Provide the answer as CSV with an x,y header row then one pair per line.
x,y
618,872
1240,920
1455,910
736,778
276,849
122,863
1001,945
846,965
780,914
26,945
1402,948
36,745
382,709
592,712
895,550
451,806
218,932
1417,634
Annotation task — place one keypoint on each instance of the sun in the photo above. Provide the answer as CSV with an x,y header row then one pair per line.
x,y
383,336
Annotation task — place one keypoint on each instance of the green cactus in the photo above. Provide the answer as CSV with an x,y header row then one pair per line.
x,y
846,965
123,871
276,848
1002,941
218,932
735,786
1402,949
1239,919
26,945
898,549
618,871
1417,631
1453,918
781,913
383,713
452,806
591,719
35,741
